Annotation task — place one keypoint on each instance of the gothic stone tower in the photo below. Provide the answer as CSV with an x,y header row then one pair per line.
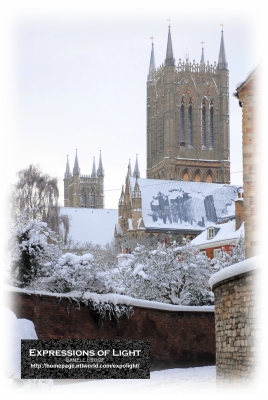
x,y
188,119
84,190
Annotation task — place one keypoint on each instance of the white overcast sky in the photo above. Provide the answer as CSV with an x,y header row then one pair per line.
x,y
78,73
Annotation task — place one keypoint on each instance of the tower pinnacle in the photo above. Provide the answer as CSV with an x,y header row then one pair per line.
x,y
129,167
136,172
152,64
76,170
100,171
222,63
67,174
202,61
94,174
170,60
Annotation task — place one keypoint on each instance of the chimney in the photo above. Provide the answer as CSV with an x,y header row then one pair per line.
x,y
239,210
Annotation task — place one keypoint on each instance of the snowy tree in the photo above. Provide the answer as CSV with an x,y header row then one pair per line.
x,y
30,250
177,274
36,195
235,255
34,221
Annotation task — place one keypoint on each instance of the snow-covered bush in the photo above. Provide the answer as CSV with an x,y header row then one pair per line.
x,y
174,274
33,246
73,273
235,255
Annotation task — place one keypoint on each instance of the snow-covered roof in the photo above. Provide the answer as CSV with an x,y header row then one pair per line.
x,y
115,299
91,225
224,232
240,268
184,205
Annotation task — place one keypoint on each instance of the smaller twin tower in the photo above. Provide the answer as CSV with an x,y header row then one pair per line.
x,y
188,119
84,190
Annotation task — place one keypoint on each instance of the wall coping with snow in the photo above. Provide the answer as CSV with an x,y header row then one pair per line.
x,y
115,299
246,266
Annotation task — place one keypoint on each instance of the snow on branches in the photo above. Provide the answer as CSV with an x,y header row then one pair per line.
x,y
234,256
33,249
174,274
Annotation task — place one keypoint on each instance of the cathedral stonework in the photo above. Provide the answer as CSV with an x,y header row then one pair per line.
x,y
188,119
84,190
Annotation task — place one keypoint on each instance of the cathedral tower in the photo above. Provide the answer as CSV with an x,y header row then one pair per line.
x,y
188,118
84,190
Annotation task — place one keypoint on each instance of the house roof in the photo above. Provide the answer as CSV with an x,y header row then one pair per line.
x,y
224,232
184,205
91,225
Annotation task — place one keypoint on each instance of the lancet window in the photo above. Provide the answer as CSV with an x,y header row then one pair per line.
x,y
211,125
83,199
203,124
182,125
92,199
190,125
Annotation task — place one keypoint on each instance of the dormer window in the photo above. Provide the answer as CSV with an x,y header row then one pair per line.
x,y
211,233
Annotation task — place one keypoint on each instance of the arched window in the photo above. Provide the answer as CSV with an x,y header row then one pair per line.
x,y
190,125
92,199
211,126
182,125
197,176
208,178
185,176
83,198
203,131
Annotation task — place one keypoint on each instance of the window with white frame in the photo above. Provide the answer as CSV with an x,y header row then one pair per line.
x,y
203,252
211,233
216,252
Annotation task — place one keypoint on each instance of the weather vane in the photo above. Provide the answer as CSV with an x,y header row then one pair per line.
x,y
202,43
152,38
222,26
169,20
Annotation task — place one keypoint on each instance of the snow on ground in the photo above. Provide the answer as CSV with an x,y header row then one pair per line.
x,y
201,380
15,330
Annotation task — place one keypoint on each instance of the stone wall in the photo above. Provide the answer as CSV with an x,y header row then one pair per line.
x,y
177,339
236,328
249,99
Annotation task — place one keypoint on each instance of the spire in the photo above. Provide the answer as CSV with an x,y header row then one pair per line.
x,y
169,56
152,65
222,64
129,167
121,200
136,173
94,174
202,61
76,170
67,174
100,171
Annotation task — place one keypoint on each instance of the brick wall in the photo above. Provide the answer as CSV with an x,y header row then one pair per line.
x,y
178,339
239,213
236,328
